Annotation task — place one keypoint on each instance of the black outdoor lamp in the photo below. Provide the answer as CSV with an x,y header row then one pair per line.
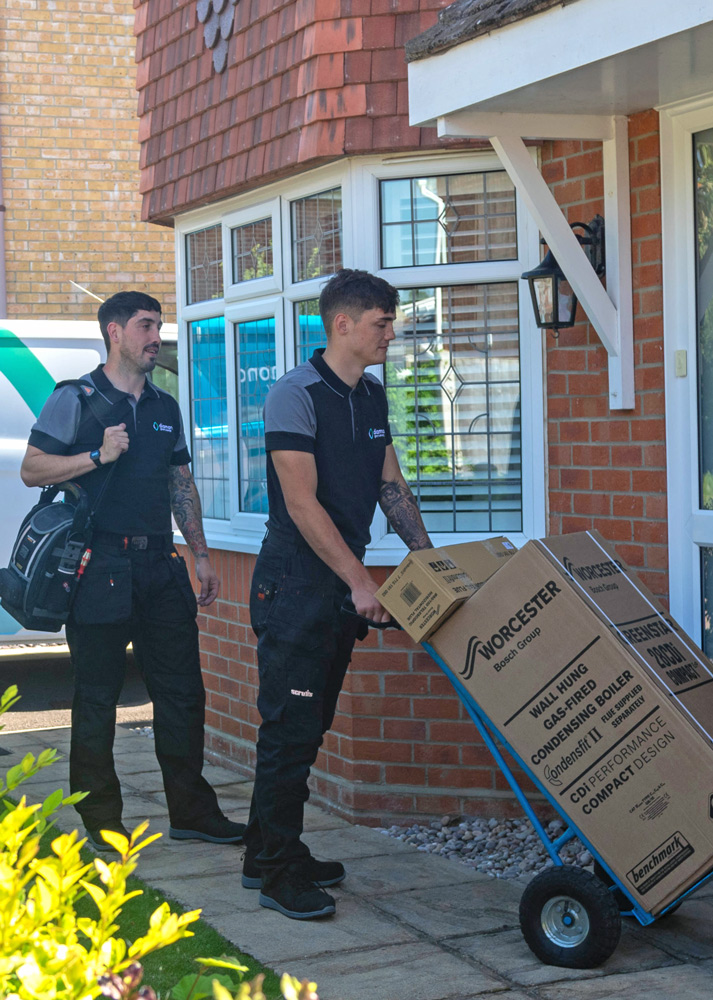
x,y
553,299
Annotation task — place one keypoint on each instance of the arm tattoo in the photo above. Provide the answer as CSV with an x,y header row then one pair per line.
x,y
399,504
186,507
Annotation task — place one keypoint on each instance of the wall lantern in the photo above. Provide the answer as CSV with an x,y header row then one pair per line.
x,y
553,299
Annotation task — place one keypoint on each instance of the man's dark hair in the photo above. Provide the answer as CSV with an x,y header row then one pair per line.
x,y
121,307
354,292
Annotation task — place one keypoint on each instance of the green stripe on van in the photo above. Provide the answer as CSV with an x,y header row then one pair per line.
x,y
24,371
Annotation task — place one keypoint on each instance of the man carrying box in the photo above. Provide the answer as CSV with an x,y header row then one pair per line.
x,y
330,460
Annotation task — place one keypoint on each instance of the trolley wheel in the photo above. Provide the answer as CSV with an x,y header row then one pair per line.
x,y
569,918
623,903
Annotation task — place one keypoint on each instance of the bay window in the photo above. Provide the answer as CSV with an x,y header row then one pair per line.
x,y
463,376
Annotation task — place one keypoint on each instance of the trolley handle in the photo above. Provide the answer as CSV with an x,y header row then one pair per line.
x,y
349,609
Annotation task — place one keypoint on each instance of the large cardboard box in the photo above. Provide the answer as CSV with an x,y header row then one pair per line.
x,y
632,613
588,718
430,584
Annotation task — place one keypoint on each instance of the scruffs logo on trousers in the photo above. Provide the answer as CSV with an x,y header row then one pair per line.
x,y
376,432
162,427
302,694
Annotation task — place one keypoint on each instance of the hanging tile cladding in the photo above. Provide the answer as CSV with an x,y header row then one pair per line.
x,y
307,81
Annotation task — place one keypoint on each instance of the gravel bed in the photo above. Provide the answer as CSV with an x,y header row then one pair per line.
x,y
499,848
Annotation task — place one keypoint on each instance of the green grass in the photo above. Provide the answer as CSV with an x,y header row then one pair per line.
x,y
164,968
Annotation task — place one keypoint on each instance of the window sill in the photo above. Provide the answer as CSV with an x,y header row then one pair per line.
x,y
388,551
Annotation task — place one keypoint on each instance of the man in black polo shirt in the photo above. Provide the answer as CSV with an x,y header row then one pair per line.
x,y
330,460
135,587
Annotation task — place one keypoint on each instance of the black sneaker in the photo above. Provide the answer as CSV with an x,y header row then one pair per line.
x,y
290,891
96,840
320,872
214,829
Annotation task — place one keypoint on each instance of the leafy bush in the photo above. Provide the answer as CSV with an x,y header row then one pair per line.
x,y
47,952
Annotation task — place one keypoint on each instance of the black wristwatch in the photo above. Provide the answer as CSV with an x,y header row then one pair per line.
x,y
96,457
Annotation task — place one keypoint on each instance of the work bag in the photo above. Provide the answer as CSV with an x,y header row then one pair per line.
x,y
52,546
37,587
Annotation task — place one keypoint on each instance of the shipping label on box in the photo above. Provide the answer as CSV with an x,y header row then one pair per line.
x,y
632,613
589,722
430,584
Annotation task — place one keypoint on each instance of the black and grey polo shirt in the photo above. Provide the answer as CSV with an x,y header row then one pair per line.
x,y
347,430
137,500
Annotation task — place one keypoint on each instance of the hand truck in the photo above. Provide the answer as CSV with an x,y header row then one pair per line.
x,y
569,917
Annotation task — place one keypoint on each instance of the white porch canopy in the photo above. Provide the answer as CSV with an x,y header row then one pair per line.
x,y
573,71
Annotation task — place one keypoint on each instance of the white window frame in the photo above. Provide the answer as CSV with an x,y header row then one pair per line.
x,y
361,240
689,526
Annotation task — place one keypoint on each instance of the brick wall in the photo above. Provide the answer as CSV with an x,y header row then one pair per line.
x,y
607,468
70,160
401,744
306,81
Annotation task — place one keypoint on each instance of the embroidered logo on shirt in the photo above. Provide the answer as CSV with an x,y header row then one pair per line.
x,y
87,390
302,694
376,432
162,427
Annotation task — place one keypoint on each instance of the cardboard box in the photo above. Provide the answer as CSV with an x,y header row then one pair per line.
x,y
633,614
588,718
430,584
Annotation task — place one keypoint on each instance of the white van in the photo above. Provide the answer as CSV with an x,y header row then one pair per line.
x,y
34,356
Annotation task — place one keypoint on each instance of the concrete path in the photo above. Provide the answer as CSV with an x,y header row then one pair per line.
x,y
409,926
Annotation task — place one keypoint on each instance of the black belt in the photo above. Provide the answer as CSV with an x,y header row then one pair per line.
x,y
136,543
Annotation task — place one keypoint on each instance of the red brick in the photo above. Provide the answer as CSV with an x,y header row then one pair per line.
x,y
592,503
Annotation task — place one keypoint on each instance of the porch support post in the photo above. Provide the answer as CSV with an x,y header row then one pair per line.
x,y
611,314
614,325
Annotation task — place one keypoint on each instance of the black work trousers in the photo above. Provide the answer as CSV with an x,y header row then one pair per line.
x,y
304,645
150,591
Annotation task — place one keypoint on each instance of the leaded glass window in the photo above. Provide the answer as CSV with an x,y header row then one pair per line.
x,y
204,265
252,251
317,235
453,219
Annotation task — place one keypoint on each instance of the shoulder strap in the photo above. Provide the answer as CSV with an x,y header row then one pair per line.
x,y
100,410
99,407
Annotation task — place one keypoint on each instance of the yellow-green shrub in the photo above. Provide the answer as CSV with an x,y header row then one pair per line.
x,y
47,952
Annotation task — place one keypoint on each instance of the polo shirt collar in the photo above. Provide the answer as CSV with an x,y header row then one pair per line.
x,y
114,395
332,379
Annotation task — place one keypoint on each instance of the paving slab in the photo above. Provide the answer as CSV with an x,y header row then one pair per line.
x,y
687,933
681,982
418,971
507,955
404,871
277,941
455,911
353,842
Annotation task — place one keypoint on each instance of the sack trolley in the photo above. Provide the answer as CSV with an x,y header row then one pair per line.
x,y
569,917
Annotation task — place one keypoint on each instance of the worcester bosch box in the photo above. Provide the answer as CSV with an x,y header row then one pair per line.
x,y
591,685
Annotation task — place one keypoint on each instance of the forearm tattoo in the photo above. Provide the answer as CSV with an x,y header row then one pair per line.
x,y
399,504
186,507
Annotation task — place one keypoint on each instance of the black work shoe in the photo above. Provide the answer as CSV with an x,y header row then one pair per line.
x,y
292,892
95,839
214,829
320,872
